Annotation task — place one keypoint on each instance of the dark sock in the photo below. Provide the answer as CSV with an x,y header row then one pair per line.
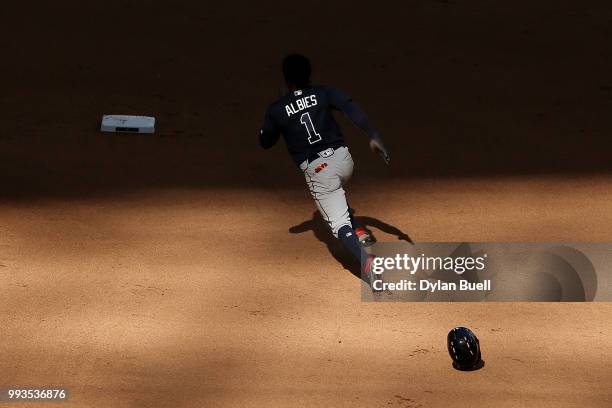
x,y
350,241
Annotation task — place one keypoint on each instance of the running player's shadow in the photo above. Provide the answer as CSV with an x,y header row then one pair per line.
x,y
322,232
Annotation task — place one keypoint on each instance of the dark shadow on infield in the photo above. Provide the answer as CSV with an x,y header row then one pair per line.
x,y
322,232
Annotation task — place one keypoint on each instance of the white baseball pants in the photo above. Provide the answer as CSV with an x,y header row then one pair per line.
x,y
325,177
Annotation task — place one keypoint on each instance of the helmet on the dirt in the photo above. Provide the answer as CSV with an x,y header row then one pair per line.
x,y
464,349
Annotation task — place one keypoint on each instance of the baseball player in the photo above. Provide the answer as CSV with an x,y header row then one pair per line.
x,y
314,140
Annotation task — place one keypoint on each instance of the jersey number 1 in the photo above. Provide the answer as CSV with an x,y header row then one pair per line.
x,y
313,136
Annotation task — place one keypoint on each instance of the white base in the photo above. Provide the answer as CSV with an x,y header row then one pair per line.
x,y
127,123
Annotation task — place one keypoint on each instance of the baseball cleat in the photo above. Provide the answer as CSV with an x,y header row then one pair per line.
x,y
365,239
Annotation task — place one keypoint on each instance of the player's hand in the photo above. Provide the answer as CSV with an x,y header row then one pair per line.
x,y
378,147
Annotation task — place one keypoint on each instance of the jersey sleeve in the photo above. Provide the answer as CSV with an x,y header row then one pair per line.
x,y
269,133
340,101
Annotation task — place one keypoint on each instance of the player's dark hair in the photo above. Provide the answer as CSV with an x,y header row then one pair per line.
x,y
296,69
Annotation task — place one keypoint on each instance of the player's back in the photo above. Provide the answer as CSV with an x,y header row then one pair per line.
x,y
305,119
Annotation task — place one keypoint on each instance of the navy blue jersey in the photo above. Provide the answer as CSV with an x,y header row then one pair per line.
x,y
304,118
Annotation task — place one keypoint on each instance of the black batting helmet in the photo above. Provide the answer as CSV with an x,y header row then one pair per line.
x,y
464,349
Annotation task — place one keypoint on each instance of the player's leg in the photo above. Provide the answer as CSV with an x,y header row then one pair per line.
x,y
325,183
325,178
354,222
363,234
344,167
334,209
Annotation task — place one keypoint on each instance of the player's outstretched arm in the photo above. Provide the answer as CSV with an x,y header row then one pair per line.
x,y
345,103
